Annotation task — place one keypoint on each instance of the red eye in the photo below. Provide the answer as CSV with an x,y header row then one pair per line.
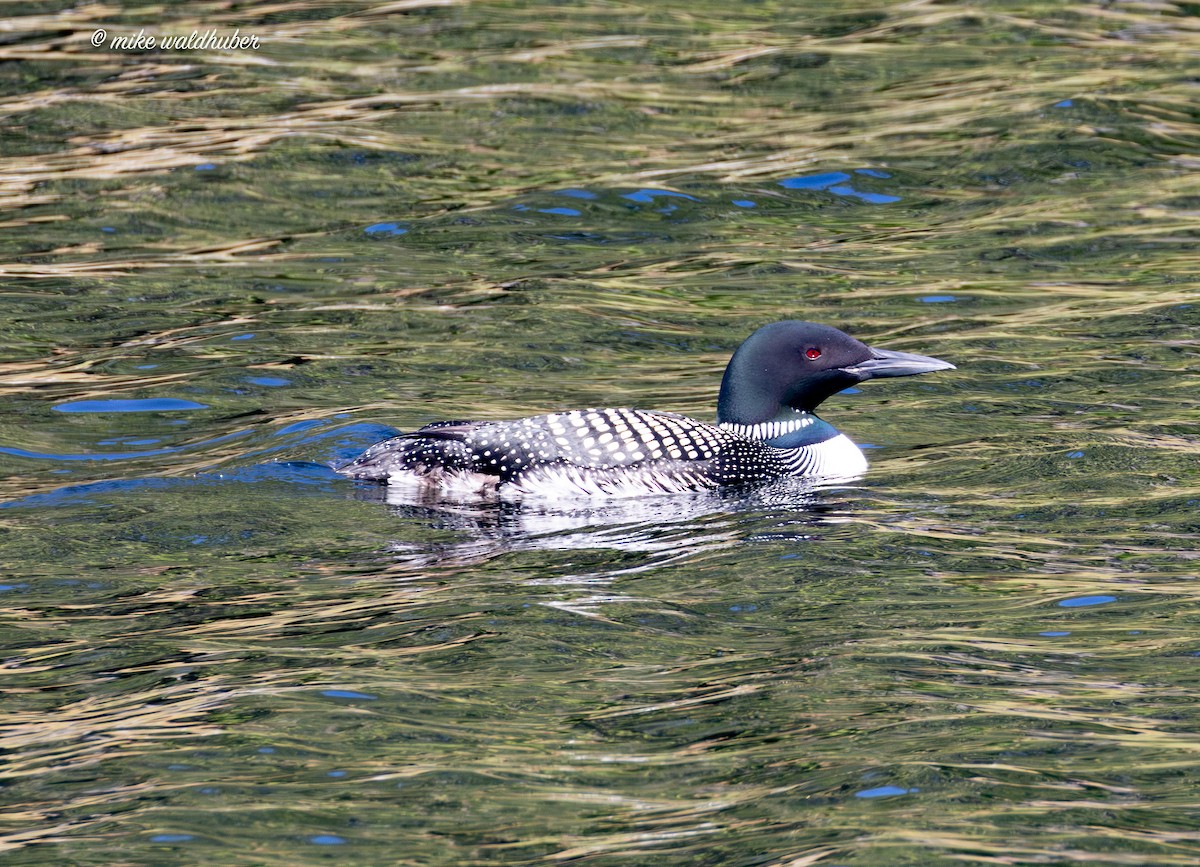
x,y
813,352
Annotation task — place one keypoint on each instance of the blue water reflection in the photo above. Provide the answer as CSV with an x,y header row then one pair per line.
x,y
291,472
576,193
884,792
118,456
384,229
814,182
297,427
668,202
327,840
149,404
349,693
872,198
1083,601
338,444
647,195
836,183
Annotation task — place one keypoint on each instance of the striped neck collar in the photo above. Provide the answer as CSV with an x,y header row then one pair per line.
x,y
787,431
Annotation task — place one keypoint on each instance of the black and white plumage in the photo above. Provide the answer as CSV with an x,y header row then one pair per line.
x,y
766,430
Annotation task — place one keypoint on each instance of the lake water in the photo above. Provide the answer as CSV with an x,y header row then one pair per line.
x,y
222,270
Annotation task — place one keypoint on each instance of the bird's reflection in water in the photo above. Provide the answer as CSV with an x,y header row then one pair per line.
x,y
668,527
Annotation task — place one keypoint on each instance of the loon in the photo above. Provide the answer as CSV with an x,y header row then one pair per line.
x,y
766,429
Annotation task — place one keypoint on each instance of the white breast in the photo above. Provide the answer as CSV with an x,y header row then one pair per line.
x,y
835,458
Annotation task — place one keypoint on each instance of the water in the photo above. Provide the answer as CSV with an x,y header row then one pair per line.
x,y
224,270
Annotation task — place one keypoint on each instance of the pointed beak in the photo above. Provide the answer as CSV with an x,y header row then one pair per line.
x,y
889,362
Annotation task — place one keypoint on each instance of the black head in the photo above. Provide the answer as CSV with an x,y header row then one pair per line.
x,y
795,365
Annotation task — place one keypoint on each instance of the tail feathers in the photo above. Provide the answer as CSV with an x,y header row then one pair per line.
x,y
435,448
449,429
454,431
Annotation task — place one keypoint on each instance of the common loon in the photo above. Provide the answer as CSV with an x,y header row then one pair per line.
x,y
765,429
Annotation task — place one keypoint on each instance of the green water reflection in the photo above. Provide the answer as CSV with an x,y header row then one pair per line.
x,y
223,270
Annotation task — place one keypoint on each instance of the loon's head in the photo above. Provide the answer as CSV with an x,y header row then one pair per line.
x,y
795,365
